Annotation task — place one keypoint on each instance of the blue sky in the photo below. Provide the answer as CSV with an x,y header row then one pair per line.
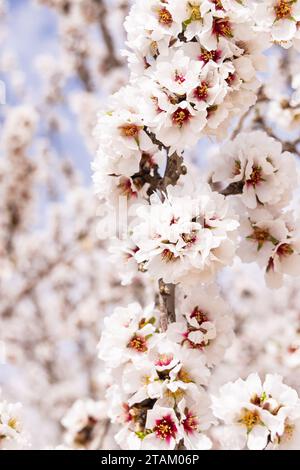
x,y
32,31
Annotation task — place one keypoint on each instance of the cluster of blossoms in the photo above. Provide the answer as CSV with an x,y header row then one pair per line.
x,y
280,19
186,237
193,68
198,60
158,393
50,257
159,377
259,415
255,166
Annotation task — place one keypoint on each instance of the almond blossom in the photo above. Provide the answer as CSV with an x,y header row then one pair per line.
x,y
255,163
272,241
196,172
193,52
254,412
280,17
203,324
185,237
13,435
128,333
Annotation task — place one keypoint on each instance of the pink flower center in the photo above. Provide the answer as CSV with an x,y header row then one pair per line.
x,y
165,428
206,56
255,177
191,343
164,360
189,238
222,27
260,236
200,316
250,419
179,77
191,422
139,343
231,78
181,116
218,4
126,411
201,92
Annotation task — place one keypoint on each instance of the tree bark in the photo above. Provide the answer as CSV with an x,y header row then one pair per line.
x,y
167,304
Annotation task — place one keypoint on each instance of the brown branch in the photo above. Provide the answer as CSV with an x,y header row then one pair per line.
x,y
84,74
167,304
233,189
112,60
174,169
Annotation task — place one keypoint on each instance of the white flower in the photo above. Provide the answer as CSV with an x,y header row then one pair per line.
x,y
211,87
203,324
128,333
127,439
78,414
191,368
123,255
290,437
141,381
185,237
163,431
169,371
272,241
150,26
254,413
202,56
195,417
121,136
177,73
179,125
279,17
11,426
114,187
255,161
287,436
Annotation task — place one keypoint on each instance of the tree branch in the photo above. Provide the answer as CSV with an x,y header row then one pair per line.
x,y
112,60
233,189
174,169
167,304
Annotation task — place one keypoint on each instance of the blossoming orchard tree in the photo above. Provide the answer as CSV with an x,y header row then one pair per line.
x,y
191,251
195,72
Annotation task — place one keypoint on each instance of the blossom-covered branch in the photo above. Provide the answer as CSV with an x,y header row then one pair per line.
x,y
194,70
